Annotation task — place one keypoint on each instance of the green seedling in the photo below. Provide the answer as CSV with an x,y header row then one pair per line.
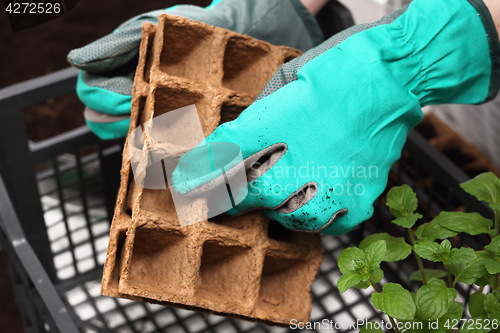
x,y
432,308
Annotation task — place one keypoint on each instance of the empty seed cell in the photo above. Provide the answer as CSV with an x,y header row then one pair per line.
x,y
162,263
248,65
187,52
285,289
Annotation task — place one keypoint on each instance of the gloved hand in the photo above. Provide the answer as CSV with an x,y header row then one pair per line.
x,y
108,65
319,141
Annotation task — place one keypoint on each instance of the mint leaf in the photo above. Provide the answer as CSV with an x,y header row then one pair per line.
x,y
374,254
443,325
492,307
444,253
485,186
429,250
369,328
346,258
486,279
494,205
491,304
433,230
471,223
357,264
445,246
429,274
348,280
492,266
494,246
424,239
476,304
402,200
377,275
434,299
402,203
470,272
395,301
407,221
396,248
461,255
454,314
363,284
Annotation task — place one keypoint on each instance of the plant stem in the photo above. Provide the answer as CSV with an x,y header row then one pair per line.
x,y
393,322
419,260
396,329
450,280
374,286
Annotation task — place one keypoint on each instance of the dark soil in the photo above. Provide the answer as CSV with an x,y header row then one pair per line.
x,y
42,50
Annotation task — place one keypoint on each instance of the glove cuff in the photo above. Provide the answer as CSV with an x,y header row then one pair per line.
x,y
105,126
98,98
449,51
494,43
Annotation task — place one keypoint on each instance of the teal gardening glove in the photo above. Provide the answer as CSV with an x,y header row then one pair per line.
x,y
108,65
320,139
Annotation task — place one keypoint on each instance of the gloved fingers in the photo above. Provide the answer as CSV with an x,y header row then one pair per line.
x,y
313,211
305,220
273,182
200,169
107,94
106,126
122,45
109,52
231,179
260,150
270,184
277,197
116,49
344,223
258,19
341,203
219,159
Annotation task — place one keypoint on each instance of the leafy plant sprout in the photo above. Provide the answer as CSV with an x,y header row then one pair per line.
x,y
433,307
